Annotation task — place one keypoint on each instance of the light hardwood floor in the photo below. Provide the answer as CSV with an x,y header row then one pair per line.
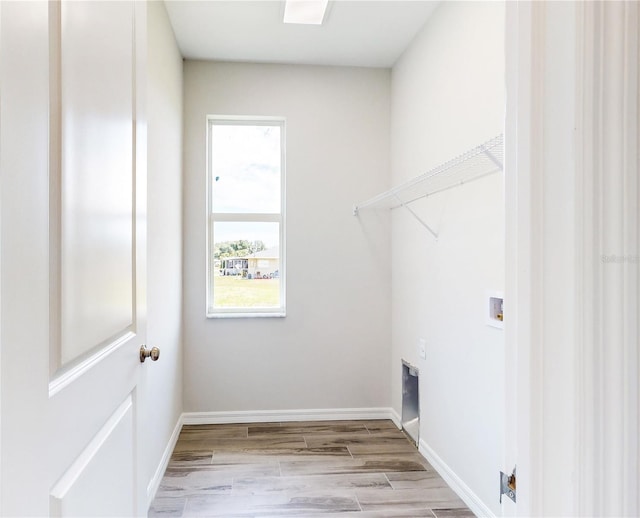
x,y
346,468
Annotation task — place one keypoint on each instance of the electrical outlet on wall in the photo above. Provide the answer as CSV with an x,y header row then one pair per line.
x,y
422,348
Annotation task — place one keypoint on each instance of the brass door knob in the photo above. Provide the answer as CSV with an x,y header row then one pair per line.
x,y
153,353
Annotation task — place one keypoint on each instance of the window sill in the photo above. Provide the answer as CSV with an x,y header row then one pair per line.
x,y
246,315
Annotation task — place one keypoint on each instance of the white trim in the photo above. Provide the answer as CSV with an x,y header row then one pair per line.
x,y
523,20
575,410
607,456
66,378
268,416
260,120
248,217
586,385
247,314
455,482
212,217
154,483
1,241
395,417
71,475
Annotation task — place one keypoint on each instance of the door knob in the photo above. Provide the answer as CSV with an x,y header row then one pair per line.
x,y
153,353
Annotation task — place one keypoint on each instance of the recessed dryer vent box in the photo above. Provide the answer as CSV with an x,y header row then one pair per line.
x,y
495,317
410,401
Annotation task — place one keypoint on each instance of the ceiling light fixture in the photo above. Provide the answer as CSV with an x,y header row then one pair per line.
x,y
309,12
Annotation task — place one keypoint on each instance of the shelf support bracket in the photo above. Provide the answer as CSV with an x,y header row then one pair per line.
x,y
418,218
492,158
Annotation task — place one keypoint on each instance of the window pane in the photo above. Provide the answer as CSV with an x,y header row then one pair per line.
x,y
246,265
246,168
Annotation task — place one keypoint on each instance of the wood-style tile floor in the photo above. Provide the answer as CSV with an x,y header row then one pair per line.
x,y
346,468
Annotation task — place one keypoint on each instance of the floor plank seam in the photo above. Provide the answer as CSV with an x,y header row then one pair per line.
x,y
358,501
349,450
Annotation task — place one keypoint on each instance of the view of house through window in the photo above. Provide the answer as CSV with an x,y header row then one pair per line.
x,y
246,226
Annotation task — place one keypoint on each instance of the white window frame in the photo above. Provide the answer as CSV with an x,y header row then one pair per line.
x,y
245,217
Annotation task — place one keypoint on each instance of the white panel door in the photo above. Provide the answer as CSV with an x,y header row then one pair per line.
x,y
76,203
96,257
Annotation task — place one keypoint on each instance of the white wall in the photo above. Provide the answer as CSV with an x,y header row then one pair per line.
x,y
164,292
448,97
331,351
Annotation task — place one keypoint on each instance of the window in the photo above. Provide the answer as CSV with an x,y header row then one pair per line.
x,y
245,251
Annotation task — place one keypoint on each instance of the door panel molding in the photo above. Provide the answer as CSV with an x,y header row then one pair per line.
x,y
65,378
82,407
109,446
55,183
92,182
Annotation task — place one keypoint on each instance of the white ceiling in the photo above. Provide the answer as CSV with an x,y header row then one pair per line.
x,y
355,32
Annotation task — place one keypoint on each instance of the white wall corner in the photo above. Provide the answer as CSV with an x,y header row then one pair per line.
x,y
154,483
455,482
395,417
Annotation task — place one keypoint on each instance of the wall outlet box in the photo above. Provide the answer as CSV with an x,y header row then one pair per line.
x,y
422,348
495,317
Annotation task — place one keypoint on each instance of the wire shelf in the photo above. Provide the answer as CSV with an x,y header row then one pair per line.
x,y
486,159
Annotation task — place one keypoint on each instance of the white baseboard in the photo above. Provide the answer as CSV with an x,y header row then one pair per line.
x,y
154,483
455,482
395,417
267,416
